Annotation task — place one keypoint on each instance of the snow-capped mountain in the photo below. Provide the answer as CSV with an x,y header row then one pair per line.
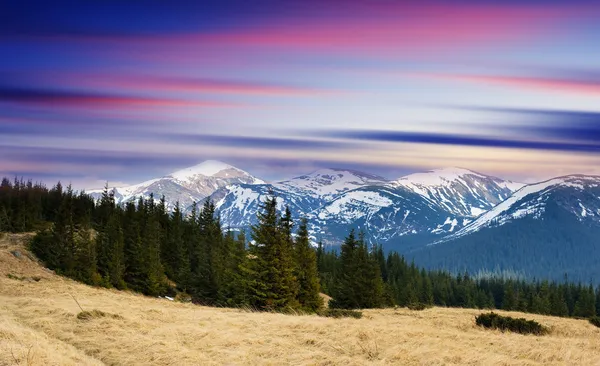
x,y
544,230
328,183
304,194
427,204
459,191
185,186
450,218
387,214
577,194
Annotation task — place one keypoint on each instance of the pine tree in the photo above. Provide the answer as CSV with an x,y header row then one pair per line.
x,y
207,277
155,281
344,292
585,306
85,256
269,279
174,255
114,247
134,254
231,292
369,281
509,301
306,271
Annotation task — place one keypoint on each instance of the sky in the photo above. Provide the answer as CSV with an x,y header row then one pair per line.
x,y
96,91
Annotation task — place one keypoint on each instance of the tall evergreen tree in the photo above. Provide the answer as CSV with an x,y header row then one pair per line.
x,y
134,253
345,291
270,283
306,271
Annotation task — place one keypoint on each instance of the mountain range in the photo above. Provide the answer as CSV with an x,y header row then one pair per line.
x,y
451,218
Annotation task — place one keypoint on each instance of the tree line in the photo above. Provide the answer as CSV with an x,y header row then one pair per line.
x,y
405,284
143,247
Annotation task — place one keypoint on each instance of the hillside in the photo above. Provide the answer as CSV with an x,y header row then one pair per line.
x,y
39,326
556,222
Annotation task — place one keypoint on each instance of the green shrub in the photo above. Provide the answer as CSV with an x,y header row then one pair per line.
x,y
14,277
595,320
507,323
340,313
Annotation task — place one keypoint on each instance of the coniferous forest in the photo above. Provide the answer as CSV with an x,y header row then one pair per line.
x,y
144,248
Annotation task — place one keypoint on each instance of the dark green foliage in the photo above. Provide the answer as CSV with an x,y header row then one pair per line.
x,y
595,320
506,323
306,271
340,313
270,284
139,245
208,258
358,283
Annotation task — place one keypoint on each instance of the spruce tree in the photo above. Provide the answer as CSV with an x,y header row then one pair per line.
x,y
270,283
174,255
344,292
207,277
155,281
134,254
368,278
585,306
85,256
306,271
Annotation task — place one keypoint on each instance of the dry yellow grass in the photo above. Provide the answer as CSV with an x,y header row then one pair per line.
x,y
39,326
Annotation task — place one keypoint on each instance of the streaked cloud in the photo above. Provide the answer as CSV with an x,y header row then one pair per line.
x,y
62,98
127,91
543,84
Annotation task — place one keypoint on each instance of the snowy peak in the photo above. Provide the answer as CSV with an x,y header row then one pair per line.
x,y
210,168
438,177
460,191
577,194
207,168
187,185
329,182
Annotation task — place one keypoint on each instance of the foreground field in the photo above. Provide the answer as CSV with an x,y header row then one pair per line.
x,y
39,326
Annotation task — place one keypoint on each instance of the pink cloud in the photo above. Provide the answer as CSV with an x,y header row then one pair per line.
x,y
391,29
85,100
535,83
397,28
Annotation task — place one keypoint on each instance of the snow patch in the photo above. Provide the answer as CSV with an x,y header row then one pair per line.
x,y
208,168
476,211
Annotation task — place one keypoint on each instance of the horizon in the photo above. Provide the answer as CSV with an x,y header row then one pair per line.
x,y
105,91
389,179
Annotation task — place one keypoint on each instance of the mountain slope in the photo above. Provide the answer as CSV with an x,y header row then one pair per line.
x,y
185,186
304,194
388,215
459,191
545,230
413,210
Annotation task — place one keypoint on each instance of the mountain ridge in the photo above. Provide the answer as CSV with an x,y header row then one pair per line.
x,y
451,218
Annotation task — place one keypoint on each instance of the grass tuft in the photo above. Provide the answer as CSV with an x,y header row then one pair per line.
x,y
418,306
340,313
95,314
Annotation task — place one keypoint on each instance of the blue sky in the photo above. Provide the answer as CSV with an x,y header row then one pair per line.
x,y
99,90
